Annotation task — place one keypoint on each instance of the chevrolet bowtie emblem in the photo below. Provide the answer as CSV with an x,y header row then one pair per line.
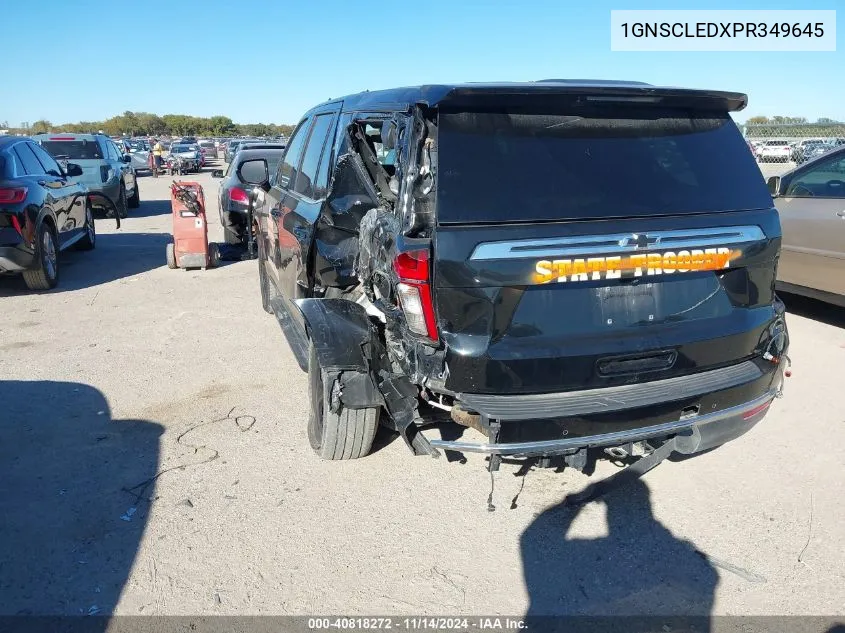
x,y
639,240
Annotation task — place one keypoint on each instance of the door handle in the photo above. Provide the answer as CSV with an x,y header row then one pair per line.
x,y
841,214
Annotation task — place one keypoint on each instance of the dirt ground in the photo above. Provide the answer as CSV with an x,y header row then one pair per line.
x,y
154,460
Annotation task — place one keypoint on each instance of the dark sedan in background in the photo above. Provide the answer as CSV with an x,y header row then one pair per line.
x,y
233,196
42,211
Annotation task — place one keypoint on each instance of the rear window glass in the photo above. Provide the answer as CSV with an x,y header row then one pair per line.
x,y
509,167
73,150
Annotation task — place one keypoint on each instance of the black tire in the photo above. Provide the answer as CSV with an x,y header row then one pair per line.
x,y
213,255
135,200
263,281
120,205
45,274
170,255
89,240
345,434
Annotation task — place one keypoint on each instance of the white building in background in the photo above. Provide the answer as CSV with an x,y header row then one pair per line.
x,y
4,132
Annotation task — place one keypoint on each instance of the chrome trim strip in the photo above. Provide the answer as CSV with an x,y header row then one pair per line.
x,y
616,243
606,439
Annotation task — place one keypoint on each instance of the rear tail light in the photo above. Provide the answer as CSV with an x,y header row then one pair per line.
x,y
12,195
105,172
414,292
236,194
756,410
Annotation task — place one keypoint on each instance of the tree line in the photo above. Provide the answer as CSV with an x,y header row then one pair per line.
x,y
789,120
147,124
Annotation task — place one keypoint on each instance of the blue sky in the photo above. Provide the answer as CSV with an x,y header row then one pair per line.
x,y
266,61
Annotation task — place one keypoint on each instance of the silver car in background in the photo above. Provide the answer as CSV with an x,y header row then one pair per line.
x,y
810,200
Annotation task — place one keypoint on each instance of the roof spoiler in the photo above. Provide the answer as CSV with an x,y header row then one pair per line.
x,y
551,93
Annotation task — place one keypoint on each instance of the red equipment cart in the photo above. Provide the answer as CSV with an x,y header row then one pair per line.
x,y
190,247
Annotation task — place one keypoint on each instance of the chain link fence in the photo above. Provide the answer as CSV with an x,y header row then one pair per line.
x,y
779,147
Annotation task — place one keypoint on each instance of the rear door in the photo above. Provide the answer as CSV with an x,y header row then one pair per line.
x,y
73,194
301,205
812,213
55,188
603,245
270,213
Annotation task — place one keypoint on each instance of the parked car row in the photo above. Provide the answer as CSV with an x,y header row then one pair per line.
x,y
784,151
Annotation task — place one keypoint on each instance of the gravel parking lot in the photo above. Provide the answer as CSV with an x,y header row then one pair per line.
x,y
154,460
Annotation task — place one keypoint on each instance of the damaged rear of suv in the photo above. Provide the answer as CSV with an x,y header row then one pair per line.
x,y
556,265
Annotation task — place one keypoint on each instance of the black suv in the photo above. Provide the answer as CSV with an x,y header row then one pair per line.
x,y
558,265
42,211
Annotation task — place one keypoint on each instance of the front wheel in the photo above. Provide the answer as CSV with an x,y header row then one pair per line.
x,y
336,432
121,207
263,282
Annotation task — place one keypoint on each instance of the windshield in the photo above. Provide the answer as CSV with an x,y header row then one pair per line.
x,y
183,148
74,149
776,143
608,162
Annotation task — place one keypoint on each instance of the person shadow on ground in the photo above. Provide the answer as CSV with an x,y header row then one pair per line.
x,y
616,582
70,526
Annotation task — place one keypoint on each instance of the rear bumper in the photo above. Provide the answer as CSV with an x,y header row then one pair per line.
x,y
14,258
721,405
715,429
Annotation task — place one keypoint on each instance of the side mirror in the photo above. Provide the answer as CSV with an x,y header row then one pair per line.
x,y
217,173
774,186
254,172
126,158
72,169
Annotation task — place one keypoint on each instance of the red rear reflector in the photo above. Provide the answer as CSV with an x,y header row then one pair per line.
x,y
12,195
412,265
236,194
756,410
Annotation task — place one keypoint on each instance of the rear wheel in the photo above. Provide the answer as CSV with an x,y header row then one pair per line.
x,y
213,255
336,432
89,240
170,253
45,274
135,200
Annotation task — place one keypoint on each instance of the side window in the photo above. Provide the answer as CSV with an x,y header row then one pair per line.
x,y
306,179
293,152
824,180
111,151
14,167
28,159
49,163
